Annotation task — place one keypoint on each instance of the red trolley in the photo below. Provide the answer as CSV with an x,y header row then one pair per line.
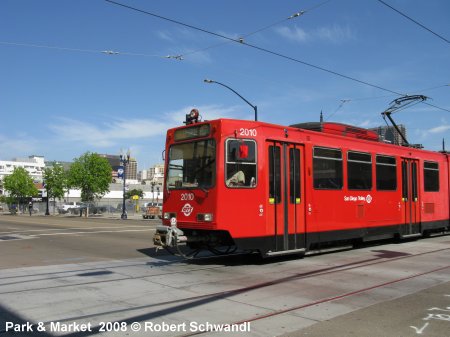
x,y
280,190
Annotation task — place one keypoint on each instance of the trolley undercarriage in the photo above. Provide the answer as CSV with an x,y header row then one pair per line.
x,y
190,242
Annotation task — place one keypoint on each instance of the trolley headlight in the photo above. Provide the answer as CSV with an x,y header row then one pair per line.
x,y
169,215
205,217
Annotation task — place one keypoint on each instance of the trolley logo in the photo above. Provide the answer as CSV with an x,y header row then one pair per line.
x,y
187,209
353,198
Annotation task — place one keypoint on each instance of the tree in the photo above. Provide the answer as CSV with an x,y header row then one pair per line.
x,y
56,182
92,174
134,191
20,186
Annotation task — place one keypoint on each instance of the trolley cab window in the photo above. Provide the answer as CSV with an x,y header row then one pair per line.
x,y
192,165
240,163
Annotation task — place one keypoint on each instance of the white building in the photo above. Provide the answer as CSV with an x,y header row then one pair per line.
x,y
34,165
156,174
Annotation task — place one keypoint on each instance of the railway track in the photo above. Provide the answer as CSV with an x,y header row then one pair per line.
x,y
217,266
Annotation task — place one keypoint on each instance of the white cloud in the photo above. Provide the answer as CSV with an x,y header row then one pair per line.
x,y
335,34
367,123
115,131
424,133
165,35
107,133
295,33
439,129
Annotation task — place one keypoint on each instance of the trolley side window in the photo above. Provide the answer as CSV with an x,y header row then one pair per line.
x,y
431,176
274,174
294,176
240,163
386,173
327,168
359,171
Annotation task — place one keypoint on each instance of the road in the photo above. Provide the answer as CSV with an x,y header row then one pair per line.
x,y
38,240
72,276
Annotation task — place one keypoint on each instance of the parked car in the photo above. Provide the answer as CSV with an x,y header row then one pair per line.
x,y
93,208
69,207
153,211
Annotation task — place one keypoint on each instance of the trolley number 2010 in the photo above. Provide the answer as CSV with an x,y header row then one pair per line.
x,y
187,196
247,132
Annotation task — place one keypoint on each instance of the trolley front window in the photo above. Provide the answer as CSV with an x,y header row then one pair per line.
x,y
192,165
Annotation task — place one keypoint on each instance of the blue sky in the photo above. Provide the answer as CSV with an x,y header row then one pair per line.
x,y
61,96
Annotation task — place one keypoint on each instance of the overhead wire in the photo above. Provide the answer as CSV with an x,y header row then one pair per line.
x,y
48,47
343,101
176,57
295,15
348,100
240,41
267,51
435,106
240,38
386,96
108,52
415,21
435,87
229,39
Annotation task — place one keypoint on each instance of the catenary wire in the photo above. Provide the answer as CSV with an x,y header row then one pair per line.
x,y
295,15
109,52
435,106
348,100
267,51
264,50
415,21
179,57
385,96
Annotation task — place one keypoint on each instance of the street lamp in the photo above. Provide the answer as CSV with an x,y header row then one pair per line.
x,y
124,160
153,193
47,211
255,108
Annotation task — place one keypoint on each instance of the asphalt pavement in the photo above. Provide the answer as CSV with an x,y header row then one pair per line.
x,y
74,276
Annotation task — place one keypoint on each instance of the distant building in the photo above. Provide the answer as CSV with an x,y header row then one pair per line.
x,y
34,165
114,161
156,174
153,175
65,164
131,172
389,134
142,175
